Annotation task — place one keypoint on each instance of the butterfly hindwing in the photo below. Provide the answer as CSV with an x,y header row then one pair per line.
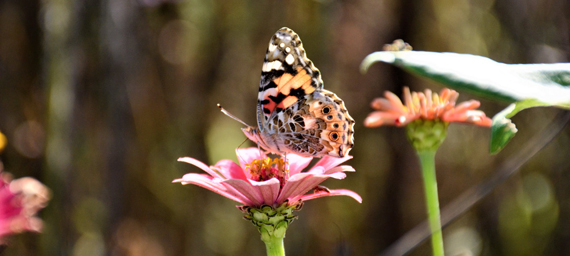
x,y
317,125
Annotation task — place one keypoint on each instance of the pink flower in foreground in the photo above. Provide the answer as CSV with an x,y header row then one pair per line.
x,y
427,106
20,200
259,180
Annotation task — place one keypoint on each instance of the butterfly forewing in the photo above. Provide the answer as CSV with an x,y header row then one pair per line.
x,y
287,75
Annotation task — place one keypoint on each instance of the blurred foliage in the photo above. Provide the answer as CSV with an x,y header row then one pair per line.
x,y
99,98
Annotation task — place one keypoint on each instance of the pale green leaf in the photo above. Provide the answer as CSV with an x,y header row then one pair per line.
x,y
547,83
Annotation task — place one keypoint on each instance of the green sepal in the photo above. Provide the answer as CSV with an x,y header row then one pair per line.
x,y
272,222
426,135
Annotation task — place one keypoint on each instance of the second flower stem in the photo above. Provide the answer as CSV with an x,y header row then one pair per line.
x,y
427,160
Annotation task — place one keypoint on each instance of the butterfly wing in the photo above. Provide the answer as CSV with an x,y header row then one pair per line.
x,y
287,76
294,113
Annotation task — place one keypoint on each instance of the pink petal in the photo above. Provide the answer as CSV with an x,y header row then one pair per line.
x,y
12,225
329,162
200,165
210,183
259,192
342,168
302,183
299,184
297,163
246,190
247,155
269,189
316,170
338,175
230,170
333,192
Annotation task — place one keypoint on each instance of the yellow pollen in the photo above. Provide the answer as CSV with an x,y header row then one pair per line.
x,y
268,167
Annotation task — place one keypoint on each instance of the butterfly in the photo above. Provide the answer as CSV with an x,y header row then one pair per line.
x,y
294,113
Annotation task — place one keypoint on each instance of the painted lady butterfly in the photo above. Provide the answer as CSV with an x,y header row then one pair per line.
x,y
294,113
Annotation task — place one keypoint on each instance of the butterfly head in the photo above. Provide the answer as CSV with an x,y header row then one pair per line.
x,y
254,135
251,133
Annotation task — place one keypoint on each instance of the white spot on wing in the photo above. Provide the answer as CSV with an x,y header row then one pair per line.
x,y
274,65
272,47
290,59
288,49
282,45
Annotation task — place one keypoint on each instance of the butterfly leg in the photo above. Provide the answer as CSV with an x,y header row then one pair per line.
x,y
286,162
260,151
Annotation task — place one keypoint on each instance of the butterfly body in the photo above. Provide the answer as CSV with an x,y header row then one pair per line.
x,y
294,113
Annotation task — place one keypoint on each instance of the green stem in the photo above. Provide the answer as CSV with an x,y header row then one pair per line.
x,y
427,159
274,246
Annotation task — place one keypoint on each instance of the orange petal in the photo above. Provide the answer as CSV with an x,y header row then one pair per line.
x,y
388,105
379,118
468,105
468,116
394,100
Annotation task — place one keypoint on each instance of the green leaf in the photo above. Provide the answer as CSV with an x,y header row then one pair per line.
x,y
527,85
547,83
503,129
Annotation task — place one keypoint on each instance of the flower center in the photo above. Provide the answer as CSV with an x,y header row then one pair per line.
x,y
265,169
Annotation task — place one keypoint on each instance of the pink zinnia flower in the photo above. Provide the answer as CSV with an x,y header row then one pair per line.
x,y
20,200
259,180
427,106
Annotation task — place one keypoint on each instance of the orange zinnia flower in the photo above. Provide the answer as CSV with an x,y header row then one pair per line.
x,y
426,106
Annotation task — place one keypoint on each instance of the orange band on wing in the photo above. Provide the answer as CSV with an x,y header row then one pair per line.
x,y
297,82
282,81
288,101
300,80
285,84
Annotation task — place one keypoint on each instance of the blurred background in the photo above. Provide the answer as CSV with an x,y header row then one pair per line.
x,y
99,98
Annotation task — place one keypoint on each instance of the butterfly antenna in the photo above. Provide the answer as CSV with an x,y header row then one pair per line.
x,y
231,116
